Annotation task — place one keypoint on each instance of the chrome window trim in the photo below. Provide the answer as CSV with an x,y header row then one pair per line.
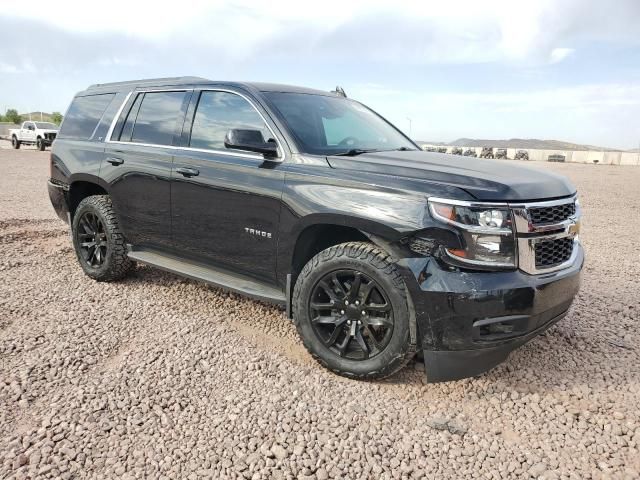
x,y
254,156
107,138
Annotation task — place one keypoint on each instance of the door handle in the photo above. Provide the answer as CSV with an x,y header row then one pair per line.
x,y
188,172
115,161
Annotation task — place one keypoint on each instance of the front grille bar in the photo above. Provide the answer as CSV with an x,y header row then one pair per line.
x,y
532,236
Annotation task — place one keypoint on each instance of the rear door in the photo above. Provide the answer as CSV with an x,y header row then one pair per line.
x,y
226,203
138,160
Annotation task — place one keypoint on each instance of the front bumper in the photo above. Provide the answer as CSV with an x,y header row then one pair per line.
x,y
469,322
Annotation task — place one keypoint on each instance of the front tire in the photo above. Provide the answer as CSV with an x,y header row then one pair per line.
x,y
350,310
15,143
40,144
98,242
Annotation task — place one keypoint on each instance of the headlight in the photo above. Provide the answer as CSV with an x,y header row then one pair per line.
x,y
487,232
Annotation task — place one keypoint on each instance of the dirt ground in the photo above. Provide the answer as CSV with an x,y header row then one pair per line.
x,y
160,377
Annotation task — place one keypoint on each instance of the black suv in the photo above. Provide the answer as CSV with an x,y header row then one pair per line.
x,y
313,201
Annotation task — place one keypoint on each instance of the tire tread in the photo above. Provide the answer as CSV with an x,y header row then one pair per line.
x,y
120,264
383,262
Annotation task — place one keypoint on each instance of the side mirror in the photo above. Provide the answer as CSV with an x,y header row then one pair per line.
x,y
252,141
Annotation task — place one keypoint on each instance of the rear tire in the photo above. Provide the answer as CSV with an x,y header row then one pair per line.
x,y
15,143
355,328
98,242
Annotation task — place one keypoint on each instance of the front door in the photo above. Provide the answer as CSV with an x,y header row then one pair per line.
x,y
137,165
226,203
28,133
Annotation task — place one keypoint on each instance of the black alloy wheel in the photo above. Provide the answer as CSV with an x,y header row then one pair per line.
x,y
351,314
91,238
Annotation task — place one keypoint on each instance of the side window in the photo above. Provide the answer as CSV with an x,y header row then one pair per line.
x,y
157,118
83,116
217,113
127,130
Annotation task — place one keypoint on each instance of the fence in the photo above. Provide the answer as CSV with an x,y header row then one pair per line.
x,y
571,156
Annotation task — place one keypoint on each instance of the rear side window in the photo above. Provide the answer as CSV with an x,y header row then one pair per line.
x,y
83,116
155,120
127,130
217,113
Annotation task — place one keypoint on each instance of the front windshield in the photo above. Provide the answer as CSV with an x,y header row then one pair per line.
x,y
327,125
46,125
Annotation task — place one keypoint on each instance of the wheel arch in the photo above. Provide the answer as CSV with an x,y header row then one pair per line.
x,y
319,232
83,186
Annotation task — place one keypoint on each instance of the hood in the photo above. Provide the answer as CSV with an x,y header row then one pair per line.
x,y
49,130
489,180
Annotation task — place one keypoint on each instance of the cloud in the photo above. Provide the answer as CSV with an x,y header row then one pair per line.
x,y
559,54
451,32
593,114
460,65
24,65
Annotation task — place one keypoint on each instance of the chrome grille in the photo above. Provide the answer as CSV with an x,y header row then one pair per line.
x,y
553,214
550,253
547,234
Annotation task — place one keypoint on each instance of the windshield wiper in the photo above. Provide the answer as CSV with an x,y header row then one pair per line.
x,y
405,149
355,152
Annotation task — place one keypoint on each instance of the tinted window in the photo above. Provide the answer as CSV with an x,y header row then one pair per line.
x,y
327,125
131,119
217,113
83,116
157,118
46,125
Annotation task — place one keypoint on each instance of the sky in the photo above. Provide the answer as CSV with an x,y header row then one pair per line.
x,y
439,70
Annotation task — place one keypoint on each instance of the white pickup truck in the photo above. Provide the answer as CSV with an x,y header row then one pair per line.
x,y
40,134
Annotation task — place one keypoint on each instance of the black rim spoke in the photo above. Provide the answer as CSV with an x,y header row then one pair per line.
x,y
379,322
355,286
365,291
342,348
351,314
362,343
325,320
336,283
92,240
378,308
334,336
328,290
372,339
321,305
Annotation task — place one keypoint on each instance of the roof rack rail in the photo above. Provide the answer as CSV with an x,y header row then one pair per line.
x,y
151,80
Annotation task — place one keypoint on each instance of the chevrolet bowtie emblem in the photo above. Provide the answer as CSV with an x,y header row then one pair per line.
x,y
574,228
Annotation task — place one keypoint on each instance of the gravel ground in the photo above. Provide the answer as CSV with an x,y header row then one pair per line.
x,y
161,377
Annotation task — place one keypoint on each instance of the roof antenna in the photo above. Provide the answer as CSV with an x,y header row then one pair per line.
x,y
340,91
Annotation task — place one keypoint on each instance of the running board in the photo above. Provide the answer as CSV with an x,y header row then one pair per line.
x,y
211,275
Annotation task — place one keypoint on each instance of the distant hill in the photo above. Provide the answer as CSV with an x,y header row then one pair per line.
x,y
35,116
524,143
